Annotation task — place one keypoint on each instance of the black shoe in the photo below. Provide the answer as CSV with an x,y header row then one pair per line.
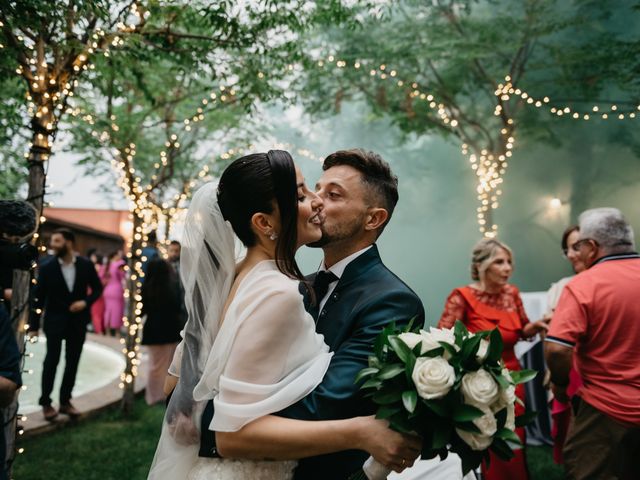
x,y
49,413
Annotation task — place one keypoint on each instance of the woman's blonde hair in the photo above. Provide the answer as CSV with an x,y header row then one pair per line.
x,y
484,252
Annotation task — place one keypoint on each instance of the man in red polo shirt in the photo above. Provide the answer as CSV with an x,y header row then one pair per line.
x,y
597,324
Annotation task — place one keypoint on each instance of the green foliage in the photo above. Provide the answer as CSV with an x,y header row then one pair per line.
x,y
575,52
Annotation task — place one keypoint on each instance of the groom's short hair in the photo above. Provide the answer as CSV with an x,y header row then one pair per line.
x,y
377,177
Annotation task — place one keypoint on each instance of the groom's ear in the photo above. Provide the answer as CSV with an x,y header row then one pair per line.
x,y
376,218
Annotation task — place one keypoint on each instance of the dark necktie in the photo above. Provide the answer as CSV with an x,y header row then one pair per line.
x,y
320,287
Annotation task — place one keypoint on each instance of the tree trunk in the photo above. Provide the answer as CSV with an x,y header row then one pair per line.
x,y
22,280
132,338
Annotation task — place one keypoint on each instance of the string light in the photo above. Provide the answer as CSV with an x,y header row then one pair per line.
x,y
488,167
603,112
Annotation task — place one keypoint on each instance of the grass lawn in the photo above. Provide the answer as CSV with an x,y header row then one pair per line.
x,y
109,447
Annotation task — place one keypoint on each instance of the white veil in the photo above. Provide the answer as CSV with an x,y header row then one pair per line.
x,y
207,270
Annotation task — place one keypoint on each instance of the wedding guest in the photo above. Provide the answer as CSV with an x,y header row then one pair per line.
x,y
114,293
150,251
173,255
97,309
10,378
596,326
561,411
64,281
161,333
487,303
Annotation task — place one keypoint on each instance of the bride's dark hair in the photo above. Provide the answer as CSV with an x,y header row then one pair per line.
x,y
255,184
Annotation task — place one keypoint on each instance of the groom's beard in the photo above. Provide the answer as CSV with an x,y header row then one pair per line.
x,y
338,233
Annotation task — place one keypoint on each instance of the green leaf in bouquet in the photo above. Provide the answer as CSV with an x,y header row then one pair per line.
x,y
410,400
526,418
496,346
466,413
401,348
386,412
449,348
439,407
470,347
408,368
410,324
365,372
372,383
501,448
387,398
374,362
400,423
501,418
468,427
471,460
443,453
508,435
460,331
434,352
390,371
381,340
523,376
441,435
502,381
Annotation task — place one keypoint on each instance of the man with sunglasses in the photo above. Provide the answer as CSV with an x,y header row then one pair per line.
x,y
598,320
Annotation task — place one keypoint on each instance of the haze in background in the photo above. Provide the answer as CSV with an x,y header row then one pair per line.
x,y
428,242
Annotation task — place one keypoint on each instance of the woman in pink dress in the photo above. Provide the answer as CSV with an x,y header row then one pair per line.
x,y
97,309
114,293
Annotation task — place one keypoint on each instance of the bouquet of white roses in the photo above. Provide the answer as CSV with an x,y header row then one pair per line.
x,y
450,387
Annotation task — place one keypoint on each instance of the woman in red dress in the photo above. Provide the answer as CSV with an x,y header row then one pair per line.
x,y
491,302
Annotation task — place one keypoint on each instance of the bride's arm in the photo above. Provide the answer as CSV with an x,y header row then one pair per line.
x,y
279,438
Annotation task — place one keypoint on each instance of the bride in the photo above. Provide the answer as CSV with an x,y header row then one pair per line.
x,y
249,344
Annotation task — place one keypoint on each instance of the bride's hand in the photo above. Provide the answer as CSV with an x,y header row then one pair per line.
x,y
388,447
183,431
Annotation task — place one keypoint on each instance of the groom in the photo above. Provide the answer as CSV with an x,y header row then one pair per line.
x,y
356,295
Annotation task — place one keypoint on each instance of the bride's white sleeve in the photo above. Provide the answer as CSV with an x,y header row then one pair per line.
x,y
275,360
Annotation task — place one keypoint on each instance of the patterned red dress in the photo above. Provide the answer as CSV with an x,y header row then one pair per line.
x,y
480,310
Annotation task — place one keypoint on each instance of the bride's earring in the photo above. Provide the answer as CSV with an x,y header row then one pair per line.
x,y
273,236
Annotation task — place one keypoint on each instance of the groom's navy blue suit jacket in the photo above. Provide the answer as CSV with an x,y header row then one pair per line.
x,y
367,297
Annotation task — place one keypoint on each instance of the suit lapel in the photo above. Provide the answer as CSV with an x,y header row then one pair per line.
x,y
337,309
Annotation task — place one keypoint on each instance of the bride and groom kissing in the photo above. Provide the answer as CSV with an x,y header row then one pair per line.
x,y
265,372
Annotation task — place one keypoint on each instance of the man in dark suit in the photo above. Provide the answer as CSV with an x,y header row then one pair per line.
x,y
356,296
64,280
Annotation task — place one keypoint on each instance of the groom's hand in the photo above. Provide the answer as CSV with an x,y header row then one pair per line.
x,y
390,448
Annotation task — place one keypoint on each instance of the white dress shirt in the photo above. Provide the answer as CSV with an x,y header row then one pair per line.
x,y
338,269
68,272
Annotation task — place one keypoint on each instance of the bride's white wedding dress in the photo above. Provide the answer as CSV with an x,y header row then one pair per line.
x,y
276,358
259,357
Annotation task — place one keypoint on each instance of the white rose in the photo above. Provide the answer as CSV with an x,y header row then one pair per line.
x,y
475,440
433,377
431,339
487,425
483,350
511,417
509,394
479,388
412,339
